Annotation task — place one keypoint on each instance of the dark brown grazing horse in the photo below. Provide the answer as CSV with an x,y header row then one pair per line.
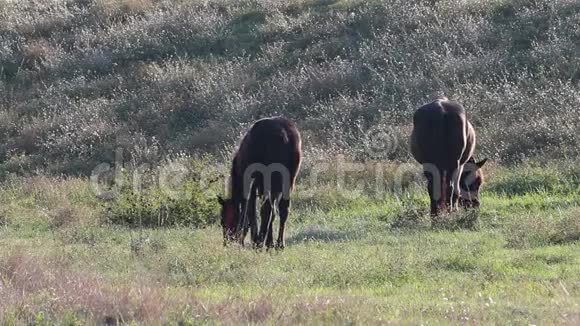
x,y
443,141
265,166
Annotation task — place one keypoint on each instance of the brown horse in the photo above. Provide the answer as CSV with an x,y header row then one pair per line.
x,y
443,141
265,166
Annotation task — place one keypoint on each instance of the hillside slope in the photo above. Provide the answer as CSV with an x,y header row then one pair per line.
x,y
81,78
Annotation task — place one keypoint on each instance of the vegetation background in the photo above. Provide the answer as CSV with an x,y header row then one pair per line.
x,y
174,84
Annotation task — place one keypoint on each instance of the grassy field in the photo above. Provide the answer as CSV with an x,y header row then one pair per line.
x,y
351,258
164,88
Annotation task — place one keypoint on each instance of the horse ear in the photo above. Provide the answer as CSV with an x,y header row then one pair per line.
x,y
481,163
221,200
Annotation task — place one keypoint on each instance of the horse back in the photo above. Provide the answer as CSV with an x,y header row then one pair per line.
x,y
270,143
441,134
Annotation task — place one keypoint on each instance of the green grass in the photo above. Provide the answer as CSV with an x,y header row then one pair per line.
x,y
365,260
161,81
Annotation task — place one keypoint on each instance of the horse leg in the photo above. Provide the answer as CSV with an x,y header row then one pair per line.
x,y
243,223
265,217
252,223
240,232
283,208
432,195
270,236
434,208
445,201
455,187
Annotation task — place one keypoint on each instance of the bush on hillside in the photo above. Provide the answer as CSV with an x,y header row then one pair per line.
x,y
180,193
82,78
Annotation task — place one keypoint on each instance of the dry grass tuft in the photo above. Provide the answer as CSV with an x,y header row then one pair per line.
x,y
545,230
27,278
110,10
59,202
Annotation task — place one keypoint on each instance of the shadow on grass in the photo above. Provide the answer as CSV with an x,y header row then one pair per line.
x,y
418,219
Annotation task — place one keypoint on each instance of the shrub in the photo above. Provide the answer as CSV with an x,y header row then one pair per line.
x,y
412,214
187,198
